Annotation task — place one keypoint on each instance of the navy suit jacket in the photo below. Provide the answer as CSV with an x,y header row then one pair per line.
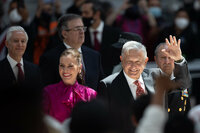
x,y
31,74
49,64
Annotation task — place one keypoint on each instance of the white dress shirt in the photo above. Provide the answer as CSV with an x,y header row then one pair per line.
x,y
13,64
132,86
99,29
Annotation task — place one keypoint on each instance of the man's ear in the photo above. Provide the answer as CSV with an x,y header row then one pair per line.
x,y
155,58
121,58
146,60
64,33
6,44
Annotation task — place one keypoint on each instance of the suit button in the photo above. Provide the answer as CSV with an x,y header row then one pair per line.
x,y
180,109
168,109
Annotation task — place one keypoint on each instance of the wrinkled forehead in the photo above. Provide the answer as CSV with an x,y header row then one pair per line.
x,y
75,23
134,54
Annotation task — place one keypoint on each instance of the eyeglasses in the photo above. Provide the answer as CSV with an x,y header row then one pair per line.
x,y
80,28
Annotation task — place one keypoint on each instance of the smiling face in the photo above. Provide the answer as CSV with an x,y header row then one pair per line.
x,y
17,45
133,63
69,69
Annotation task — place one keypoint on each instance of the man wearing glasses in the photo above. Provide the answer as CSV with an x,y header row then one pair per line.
x,y
71,31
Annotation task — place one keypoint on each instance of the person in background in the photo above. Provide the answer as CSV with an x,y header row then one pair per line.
x,y
21,110
14,69
75,7
71,31
60,98
178,101
99,36
44,27
182,28
136,18
152,124
18,15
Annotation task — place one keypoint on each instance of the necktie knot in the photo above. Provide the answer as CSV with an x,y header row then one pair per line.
x,y
19,65
95,32
139,91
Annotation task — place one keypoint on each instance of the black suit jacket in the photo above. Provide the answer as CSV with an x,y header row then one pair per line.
x,y
115,88
31,74
49,64
110,35
116,91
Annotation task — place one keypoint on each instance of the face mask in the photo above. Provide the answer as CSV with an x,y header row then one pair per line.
x,y
181,23
132,12
87,21
155,11
14,16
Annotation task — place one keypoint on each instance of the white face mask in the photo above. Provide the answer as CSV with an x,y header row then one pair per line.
x,y
156,11
181,23
14,16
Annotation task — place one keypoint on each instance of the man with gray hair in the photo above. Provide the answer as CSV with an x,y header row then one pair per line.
x,y
134,80
178,101
13,68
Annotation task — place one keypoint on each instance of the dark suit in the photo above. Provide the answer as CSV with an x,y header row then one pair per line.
x,y
110,35
178,103
116,90
31,74
49,64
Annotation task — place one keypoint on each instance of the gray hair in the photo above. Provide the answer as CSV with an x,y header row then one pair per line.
x,y
15,28
158,48
133,45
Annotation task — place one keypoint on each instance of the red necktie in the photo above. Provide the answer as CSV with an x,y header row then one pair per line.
x,y
2,44
140,90
20,76
96,42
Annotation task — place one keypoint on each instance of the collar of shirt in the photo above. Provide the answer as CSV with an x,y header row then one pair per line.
x,y
171,76
132,86
100,31
130,80
67,46
13,64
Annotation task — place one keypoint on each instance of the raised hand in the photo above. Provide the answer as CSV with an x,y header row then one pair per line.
x,y
173,48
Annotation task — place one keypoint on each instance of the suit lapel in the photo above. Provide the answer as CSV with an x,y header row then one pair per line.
x,y
8,70
121,85
148,81
85,59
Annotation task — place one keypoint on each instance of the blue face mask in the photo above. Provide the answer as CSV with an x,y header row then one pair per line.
x,y
155,11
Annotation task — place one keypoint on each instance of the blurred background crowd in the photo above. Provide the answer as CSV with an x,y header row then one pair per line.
x,y
152,20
